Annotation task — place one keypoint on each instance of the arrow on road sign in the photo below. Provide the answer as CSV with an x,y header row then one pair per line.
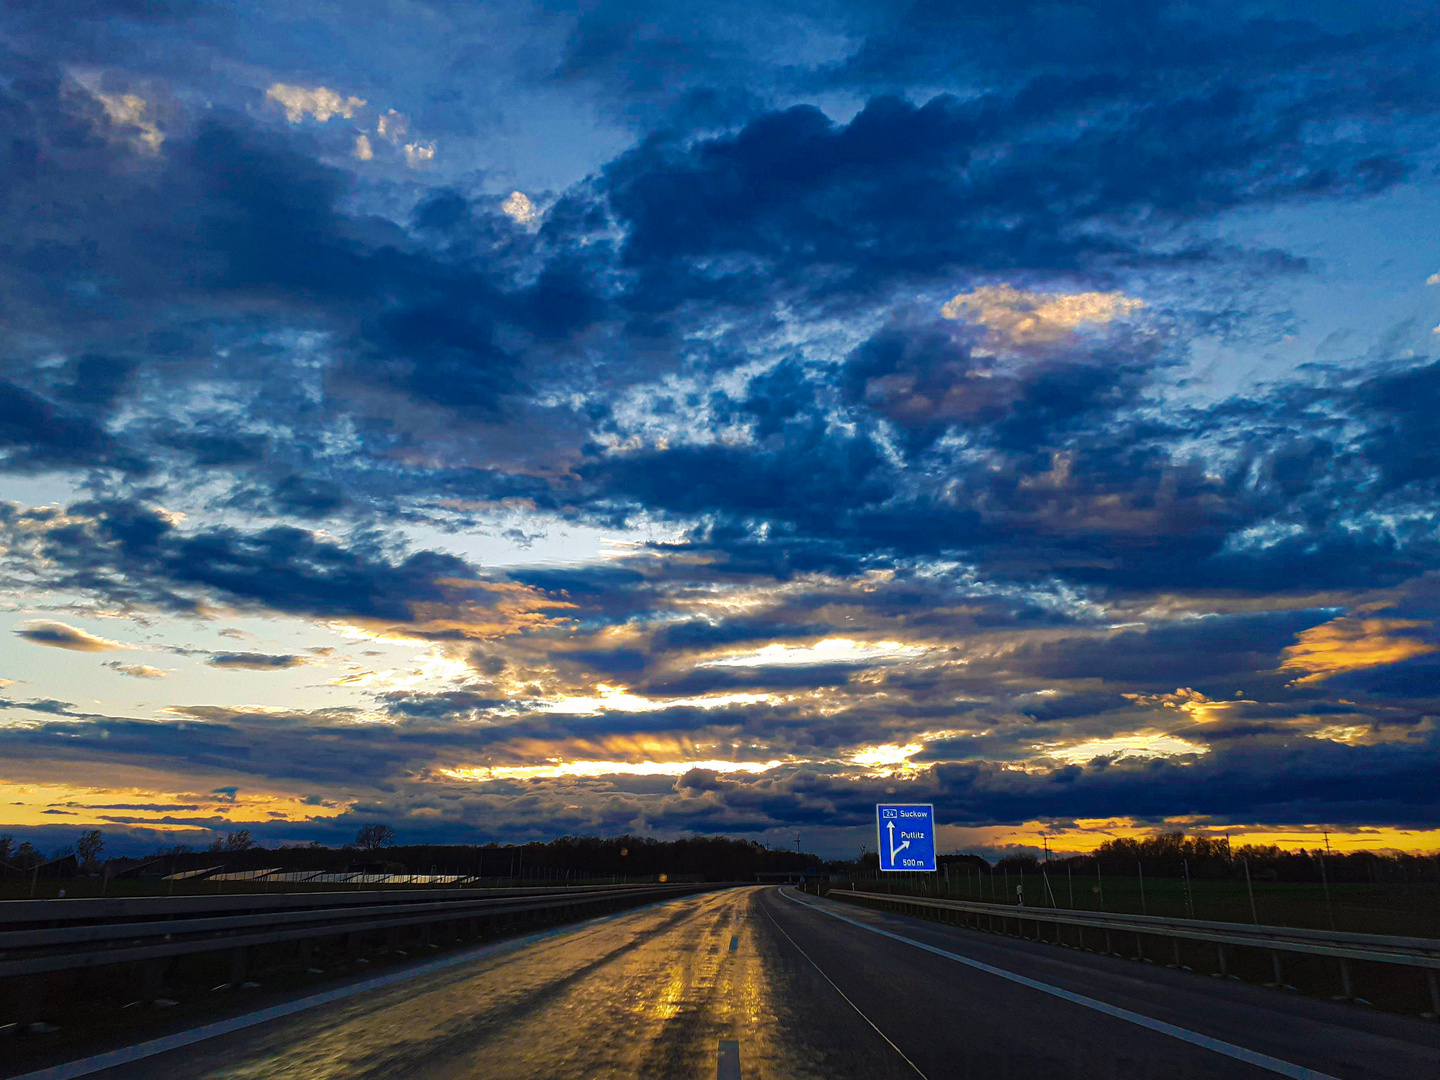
x,y
917,836
893,849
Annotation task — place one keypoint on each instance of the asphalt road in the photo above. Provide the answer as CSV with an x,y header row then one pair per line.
x,y
752,983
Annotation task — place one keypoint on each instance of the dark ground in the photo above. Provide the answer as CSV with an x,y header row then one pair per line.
x,y
654,993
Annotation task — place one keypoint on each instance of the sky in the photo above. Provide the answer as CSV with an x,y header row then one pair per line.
x,y
504,421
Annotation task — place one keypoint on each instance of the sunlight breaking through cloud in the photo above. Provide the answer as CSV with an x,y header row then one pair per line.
x,y
1120,746
607,768
1350,644
1021,317
828,651
320,102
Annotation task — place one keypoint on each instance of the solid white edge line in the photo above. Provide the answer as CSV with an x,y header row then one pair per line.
x,y
124,1056
1219,1046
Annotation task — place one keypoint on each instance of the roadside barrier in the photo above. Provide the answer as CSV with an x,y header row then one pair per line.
x,y
1346,948
40,936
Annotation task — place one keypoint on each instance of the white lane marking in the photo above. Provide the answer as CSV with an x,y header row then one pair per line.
x,y
140,1051
1239,1053
727,1066
843,995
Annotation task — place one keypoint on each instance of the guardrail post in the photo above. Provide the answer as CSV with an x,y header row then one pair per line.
x,y
1434,992
237,967
152,978
1275,963
1345,990
33,1006
1220,952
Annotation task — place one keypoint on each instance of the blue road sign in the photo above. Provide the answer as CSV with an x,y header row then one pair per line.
x,y
907,835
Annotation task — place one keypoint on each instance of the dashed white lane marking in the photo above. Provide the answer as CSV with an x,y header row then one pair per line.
x,y
728,1064
1239,1053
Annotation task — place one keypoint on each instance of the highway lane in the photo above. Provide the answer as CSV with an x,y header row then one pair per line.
x,y
785,989
649,993
953,1020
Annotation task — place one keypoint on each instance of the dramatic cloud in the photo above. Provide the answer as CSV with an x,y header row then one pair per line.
x,y
1018,317
419,153
660,429
320,102
249,661
518,207
132,111
138,671
1347,644
61,636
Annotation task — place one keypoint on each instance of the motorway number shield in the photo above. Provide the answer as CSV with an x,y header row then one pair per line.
x,y
907,835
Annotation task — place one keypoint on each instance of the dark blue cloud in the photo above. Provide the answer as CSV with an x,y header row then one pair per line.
x,y
148,264
729,328
131,552
1272,778
1210,654
36,435
1004,182
710,680
250,661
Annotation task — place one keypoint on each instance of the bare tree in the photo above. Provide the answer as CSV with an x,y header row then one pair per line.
x,y
89,846
239,840
374,836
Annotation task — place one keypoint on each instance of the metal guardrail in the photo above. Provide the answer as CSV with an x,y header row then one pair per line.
x,y
1413,952
1376,948
38,936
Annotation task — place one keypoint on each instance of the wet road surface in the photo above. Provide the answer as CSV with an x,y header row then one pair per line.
x,y
752,983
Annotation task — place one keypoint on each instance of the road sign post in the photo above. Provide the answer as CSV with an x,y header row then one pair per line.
x,y
907,836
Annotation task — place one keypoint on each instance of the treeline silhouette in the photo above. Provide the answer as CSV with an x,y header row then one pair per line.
x,y
721,858
706,858
1170,854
